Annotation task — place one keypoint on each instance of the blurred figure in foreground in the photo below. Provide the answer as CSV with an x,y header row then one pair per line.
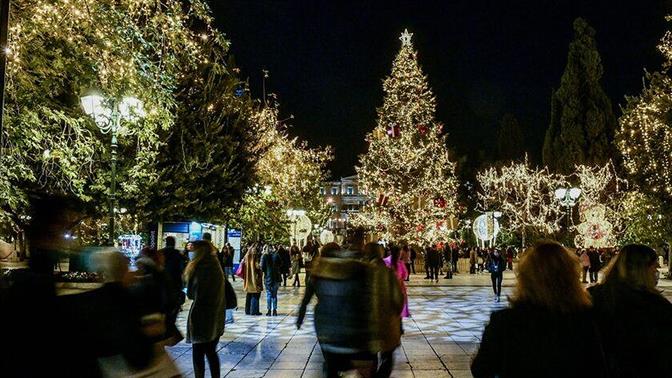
x,y
394,262
634,318
549,330
205,286
28,301
388,304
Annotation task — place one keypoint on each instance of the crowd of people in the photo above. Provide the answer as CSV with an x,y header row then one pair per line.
x,y
554,326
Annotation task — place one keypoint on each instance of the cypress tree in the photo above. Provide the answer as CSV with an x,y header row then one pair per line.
x,y
509,139
582,124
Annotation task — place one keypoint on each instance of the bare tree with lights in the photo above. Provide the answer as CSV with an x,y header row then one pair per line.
x,y
525,197
406,168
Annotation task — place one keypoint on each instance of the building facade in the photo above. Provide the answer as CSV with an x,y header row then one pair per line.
x,y
345,199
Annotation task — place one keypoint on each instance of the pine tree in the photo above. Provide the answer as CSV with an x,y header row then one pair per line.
x,y
582,124
644,137
406,168
509,139
207,162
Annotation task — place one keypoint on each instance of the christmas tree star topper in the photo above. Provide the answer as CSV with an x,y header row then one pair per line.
x,y
405,38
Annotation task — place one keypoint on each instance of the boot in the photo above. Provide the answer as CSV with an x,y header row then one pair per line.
x,y
275,312
268,313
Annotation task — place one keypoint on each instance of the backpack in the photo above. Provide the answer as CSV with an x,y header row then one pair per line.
x,y
230,295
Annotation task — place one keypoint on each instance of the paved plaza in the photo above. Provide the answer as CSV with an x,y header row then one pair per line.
x,y
439,340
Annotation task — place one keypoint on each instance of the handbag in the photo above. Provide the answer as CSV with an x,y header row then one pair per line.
x,y
240,272
230,295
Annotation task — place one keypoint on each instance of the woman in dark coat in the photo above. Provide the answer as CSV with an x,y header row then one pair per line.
x,y
205,286
496,266
634,318
548,331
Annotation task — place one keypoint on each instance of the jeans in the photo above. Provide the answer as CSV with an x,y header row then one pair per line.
x,y
434,272
228,271
252,303
497,282
272,295
585,273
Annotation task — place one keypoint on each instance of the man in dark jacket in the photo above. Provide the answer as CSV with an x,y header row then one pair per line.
x,y
341,313
595,264
271,265
174,264
434,263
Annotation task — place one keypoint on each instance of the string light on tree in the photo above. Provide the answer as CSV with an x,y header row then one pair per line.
x,y
407,161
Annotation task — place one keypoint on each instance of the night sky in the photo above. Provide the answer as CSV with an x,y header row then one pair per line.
x,y
327,60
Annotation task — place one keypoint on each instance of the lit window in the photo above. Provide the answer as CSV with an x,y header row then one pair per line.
x,y
349,190
322,191
334,190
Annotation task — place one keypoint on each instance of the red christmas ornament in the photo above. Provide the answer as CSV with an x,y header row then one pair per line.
x,y
440,202
420,228
439,224
382,200
393,130
422,129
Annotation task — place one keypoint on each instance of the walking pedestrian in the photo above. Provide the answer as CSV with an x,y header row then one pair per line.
x,y
406,258
448,260
343,309
271,265
496,267
388,292
228,252
633,316
548,324
252,284
585,265
174,264
286,260
205,323
595,265
414,256
295,256
473,255
434,263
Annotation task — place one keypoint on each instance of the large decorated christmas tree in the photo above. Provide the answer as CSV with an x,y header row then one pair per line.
x,y
406,169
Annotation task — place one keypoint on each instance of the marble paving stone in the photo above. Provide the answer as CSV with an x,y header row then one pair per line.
x,y
439,340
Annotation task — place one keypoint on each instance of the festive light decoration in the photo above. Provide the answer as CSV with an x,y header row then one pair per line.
x,y
291,175
524,195
643,220
59,49
410,166
600,206
645,134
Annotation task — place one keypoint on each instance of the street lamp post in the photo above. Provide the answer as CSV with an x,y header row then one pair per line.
x,y
108,116
568,197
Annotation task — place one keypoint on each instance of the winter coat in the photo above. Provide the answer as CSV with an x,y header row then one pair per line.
x,y
496,264
271,265
400,273
174,264
635,328
388,301
252,280
472,256
208,309
434,258
296,264
530,341
343,303
286,260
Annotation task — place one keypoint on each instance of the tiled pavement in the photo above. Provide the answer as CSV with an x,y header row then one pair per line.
x,y
439,338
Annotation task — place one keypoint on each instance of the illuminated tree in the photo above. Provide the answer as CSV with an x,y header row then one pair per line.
x,y
207,162
288,175
407,167
524,196
643,220
645,134
582,120
60,49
